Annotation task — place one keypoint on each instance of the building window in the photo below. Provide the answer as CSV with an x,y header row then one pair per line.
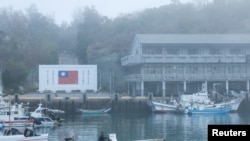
x,y
152,69
158,50
158,69
180,70
172,51
236,69
230,69
152,50
147,51
170,69
235,51
194,70
215,51
192,51
144,51
146,70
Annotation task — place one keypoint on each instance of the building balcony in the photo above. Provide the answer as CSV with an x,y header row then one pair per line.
x,y
189,77
131,60
140,59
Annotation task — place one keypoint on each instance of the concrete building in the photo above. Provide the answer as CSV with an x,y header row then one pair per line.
x,y
170,64
67,78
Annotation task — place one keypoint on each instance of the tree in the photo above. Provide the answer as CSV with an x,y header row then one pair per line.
x,y
87,32
14,76
41,43
31,40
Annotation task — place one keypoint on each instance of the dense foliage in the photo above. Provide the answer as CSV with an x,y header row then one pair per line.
x,y
30,38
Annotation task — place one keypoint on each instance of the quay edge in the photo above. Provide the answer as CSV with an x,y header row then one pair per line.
x,y
70,102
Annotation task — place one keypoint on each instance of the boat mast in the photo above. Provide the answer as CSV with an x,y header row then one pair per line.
x,y
9,104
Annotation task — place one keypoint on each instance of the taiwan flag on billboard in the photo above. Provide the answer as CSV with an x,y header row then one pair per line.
x,y
68,77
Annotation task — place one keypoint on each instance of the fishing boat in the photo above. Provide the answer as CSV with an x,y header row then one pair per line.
x,y
171,106
14,115
14,134
185,101
200,109
2,102
234,101
180,105
46,116
203,99
98,111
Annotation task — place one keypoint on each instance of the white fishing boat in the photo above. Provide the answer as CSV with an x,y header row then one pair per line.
x,y
178,106
171,106
46,116
28,135
202,98
233,101
14,115
2,102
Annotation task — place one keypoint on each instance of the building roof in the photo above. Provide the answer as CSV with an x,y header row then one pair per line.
x,y
193,38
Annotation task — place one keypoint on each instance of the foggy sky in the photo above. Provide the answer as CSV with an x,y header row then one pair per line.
x,y
62,10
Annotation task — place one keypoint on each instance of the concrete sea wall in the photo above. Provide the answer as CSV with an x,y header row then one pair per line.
x,y
71,102
119,104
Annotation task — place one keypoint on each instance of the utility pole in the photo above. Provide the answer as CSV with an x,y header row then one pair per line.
x,y
110,82
1,83
100,80
112,58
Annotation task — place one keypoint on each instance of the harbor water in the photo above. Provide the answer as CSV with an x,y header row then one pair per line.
x,y
135,126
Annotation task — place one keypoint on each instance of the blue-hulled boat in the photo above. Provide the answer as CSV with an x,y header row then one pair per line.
x,y
209,110
46,117
98,111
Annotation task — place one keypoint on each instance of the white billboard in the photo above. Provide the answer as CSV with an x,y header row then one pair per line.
x,y
67,78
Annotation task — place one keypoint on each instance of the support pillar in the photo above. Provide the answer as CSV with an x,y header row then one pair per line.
x,y
142,88
227,87
248,86
133,89
163,88
128,89
185,86
247,94
205,85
